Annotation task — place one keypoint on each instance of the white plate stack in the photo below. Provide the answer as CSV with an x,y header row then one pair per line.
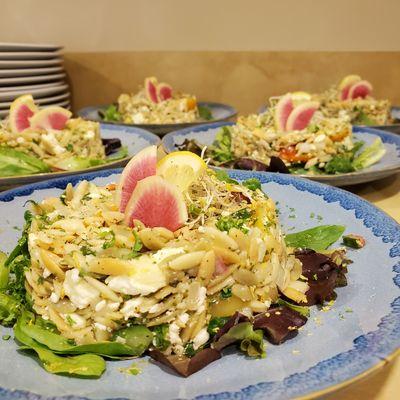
x,y
35,69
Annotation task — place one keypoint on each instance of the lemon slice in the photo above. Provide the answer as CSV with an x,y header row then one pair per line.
x,y
181,168
300,96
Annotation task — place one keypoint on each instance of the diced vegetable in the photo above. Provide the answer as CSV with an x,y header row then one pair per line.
x,y
236,220
160,340
354,241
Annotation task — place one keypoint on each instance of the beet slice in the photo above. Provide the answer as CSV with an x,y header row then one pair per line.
x,y
323,276
250,164
277,165
186,366
279,323
110,145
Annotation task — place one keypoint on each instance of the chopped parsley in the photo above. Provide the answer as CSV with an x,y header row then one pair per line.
x,y
110,239
252,184
70,321
160,340
216,324
226,293
6,337
235,220
69,147
86,251
189,350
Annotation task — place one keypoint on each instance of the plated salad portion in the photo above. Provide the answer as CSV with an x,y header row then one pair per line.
x,y
34,140
352,97
156,103
175,260
292,136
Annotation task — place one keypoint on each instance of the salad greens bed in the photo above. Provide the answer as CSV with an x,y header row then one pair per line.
x,y
14,162
60,355
356,159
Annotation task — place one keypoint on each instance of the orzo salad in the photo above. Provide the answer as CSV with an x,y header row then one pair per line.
x,y
292,136
34,140
175,261
156,103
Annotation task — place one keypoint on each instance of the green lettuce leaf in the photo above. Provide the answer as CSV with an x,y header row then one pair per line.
x,y
77,163
318,238
221,148
251,341
370,155
110,114
14,162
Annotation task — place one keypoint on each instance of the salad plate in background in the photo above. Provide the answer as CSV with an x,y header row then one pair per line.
x,y
159,109
342,342
353,97
40,143
295,137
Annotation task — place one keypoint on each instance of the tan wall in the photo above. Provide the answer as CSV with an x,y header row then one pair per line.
x,y
243,79
137,25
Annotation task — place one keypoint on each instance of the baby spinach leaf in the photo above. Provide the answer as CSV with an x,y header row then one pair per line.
x,y
205,112
318,238
85,365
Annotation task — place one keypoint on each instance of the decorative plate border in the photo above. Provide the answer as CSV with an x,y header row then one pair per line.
x,y
326,375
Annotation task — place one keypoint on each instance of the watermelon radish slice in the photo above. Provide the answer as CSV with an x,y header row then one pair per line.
x,y
164,91
282,111
301,116
156,203
150,86
142,165
52,117
360,90
21,109
345,85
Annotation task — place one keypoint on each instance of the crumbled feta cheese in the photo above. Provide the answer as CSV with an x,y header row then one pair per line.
x,y
20,140
89,135
131,308
78,290
51,144
146,277
173,333
54,297
182,319
201,338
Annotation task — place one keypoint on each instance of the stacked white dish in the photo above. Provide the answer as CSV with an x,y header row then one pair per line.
x,y
35,69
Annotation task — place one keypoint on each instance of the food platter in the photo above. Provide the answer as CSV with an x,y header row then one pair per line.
x,y
337,347
387,166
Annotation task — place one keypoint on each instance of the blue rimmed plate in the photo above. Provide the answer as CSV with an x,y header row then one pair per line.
x,y
220,112
356,336
135,139
388,165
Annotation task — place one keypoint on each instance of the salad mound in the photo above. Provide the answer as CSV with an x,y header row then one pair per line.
x,y
156,103
292,136
87,281
47,140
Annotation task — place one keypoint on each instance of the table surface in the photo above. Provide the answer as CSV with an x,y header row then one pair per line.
x,y
385,383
